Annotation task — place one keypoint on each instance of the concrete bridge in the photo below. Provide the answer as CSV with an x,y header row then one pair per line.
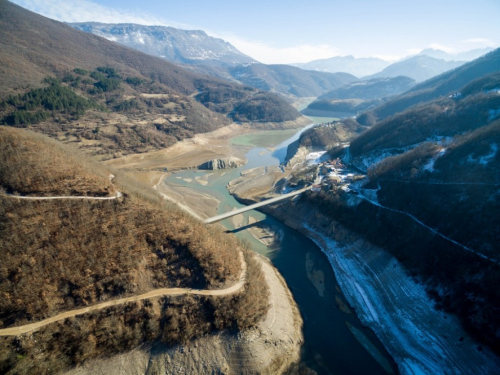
x,y
254,206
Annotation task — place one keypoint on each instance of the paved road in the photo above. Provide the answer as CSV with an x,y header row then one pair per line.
x,y
217,218
14,331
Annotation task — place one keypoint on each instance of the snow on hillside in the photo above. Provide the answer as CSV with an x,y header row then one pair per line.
x,y
422,339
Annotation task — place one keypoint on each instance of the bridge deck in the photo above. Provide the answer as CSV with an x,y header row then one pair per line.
x,y
253,206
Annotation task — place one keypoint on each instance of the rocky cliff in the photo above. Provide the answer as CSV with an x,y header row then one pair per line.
x,y
226,163
296,153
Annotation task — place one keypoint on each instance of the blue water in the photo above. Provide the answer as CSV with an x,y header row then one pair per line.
x,y
329,346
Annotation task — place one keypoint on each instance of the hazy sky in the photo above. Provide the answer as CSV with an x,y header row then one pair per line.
x,y
279,31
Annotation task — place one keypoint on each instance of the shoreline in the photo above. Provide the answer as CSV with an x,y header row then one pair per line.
x,y
384,298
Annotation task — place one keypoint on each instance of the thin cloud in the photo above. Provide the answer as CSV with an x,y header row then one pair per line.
x,y
269,54
84,11
442,47
482,41
389,58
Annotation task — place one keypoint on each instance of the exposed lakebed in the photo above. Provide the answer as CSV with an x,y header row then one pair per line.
x,y
335,340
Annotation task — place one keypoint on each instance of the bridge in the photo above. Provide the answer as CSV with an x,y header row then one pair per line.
x,y
253,206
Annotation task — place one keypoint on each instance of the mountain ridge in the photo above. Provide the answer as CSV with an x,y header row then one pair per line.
x,y
358,67
419,68
176,45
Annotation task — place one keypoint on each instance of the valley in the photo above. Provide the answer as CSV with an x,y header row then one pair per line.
x,y
171,202
283,246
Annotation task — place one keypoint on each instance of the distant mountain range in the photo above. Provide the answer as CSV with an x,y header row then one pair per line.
x,y
444,84
358,96
201,53
462,56
419,68
348,64
176,45
375,88
288,79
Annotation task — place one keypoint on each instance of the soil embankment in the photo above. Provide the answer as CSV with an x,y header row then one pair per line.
x,y
421,338
270,348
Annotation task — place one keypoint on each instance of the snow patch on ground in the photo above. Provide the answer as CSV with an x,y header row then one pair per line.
x,y
421,339
493,114
430,165
315,157
486,158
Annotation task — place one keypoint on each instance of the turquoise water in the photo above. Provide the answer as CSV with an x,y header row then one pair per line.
x,y
330,347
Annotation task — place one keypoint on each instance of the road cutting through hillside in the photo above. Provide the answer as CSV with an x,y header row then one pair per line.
x,y
118,195
161,292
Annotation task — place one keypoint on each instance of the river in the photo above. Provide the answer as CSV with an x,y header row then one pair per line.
x,y
335,342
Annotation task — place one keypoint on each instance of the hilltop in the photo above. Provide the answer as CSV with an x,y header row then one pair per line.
x,y
63,254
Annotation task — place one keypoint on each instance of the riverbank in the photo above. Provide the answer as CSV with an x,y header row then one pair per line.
x,y
422,339
192,152
272,347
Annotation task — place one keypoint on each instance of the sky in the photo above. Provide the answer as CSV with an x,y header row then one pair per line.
x,y
293,31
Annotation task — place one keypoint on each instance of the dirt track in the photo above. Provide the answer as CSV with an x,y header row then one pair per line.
x,y
14,331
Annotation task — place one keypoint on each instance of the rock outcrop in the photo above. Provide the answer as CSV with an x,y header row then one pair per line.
x,y
225,163
272,347
296,154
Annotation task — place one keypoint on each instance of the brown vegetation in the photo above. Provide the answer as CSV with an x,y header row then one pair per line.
x,y
34,47
117,329
328,135
444,84
62,254
439,118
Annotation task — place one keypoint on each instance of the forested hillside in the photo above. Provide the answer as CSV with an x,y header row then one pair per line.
x,y
130,101
431,198
59,255
445,84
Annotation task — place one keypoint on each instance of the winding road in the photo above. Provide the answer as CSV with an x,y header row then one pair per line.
x,y
118,195
14,331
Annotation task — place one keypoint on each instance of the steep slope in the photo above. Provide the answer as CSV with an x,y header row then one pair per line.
x,y
65,254
358,96
419,68
359,67
444,84
150,100
462,56
176,45
371,89
34,46
289,80
431,199
217,58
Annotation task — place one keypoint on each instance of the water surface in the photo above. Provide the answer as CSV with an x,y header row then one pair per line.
x,y
333,338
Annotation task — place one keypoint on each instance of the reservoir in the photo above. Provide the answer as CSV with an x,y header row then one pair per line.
x,y
335,342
